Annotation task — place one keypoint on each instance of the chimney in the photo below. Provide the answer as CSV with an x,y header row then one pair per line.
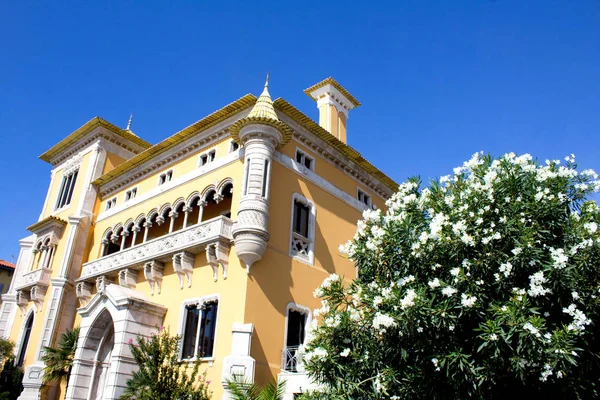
x,y
334,103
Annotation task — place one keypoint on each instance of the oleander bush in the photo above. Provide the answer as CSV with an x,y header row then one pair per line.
x,y
484,284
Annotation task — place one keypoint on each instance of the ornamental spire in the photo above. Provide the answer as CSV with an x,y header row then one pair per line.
x,y
264,105
129,123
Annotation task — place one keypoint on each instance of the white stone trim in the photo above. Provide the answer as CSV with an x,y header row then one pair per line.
x,y
302,310
215,297
50,185
319,181
312,223
329,94
174,183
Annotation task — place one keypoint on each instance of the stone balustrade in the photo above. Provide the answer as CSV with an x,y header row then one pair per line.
x,y
176,247
40,276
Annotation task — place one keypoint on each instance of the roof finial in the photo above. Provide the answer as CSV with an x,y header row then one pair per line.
x,y
267,81
129,123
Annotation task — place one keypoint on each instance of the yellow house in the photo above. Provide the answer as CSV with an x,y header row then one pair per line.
x,y
7,270
220,232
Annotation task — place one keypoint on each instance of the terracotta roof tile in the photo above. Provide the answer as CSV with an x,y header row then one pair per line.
x,y
7,264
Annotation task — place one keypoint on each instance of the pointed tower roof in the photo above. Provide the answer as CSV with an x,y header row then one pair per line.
x,y
263,112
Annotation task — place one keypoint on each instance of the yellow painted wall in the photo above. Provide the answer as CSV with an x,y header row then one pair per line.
x,y
5,278
332,174
277,279
112,161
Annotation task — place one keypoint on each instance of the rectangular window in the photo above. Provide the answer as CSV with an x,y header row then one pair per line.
x,y
211,155
301,215
1,288
296,325
199,331
265,178
111,203
130,194
233,146
203,160
364,198
66,190
305,160
165,177
191,328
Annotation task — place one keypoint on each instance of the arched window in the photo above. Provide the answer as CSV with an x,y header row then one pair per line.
x,y
25,340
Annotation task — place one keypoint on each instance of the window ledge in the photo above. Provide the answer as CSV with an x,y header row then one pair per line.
x,y
209,360
59,210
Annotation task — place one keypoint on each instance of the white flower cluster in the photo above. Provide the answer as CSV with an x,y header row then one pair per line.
x,y
532,329
535,285
580,320
409,299
468,301
559,258
381,322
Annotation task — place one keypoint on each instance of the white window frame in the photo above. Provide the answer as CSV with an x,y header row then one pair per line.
x,y
70,189
198,301
307,325
232,144
130,194
165,177
111,204
359,191
305,155
210,155
312,223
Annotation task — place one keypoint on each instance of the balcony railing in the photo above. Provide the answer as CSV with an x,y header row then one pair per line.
x,y
40,276
191,239
290,359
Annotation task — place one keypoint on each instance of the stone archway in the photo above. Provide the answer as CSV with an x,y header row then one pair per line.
x,y
103,361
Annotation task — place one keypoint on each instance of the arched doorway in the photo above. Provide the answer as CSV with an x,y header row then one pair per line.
x,y
102,363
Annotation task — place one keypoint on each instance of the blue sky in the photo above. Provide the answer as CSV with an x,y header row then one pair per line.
x,y
438,80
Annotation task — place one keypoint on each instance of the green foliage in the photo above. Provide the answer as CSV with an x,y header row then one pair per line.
x,y
59,360
6,350
241,390
11,379
483,285
161,375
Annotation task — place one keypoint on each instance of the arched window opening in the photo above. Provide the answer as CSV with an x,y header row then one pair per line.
x,y
179,217
128,236
25,340
110,244
139,236
195,212
225,203
211,207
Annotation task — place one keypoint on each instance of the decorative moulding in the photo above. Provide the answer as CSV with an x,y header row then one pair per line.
x,y
83,291
128,278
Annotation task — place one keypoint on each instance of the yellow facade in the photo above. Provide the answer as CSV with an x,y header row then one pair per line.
x,y
151,232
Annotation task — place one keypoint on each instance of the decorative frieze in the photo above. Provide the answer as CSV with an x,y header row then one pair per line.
x,y
153,272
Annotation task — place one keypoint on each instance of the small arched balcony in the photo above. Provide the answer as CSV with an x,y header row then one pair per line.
x,y
214,201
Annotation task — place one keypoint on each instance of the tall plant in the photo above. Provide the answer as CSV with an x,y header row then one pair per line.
x,y
240,390
486,284
59,360
161,375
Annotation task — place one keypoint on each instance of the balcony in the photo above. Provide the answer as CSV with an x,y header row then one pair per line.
x,y
290,359
38,277
212,236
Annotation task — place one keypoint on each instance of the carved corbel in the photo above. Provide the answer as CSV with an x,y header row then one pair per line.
x,y
22,301
37,294
114,238
218,254
102,282
128,278
153,272
160,220
183,264
83,291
